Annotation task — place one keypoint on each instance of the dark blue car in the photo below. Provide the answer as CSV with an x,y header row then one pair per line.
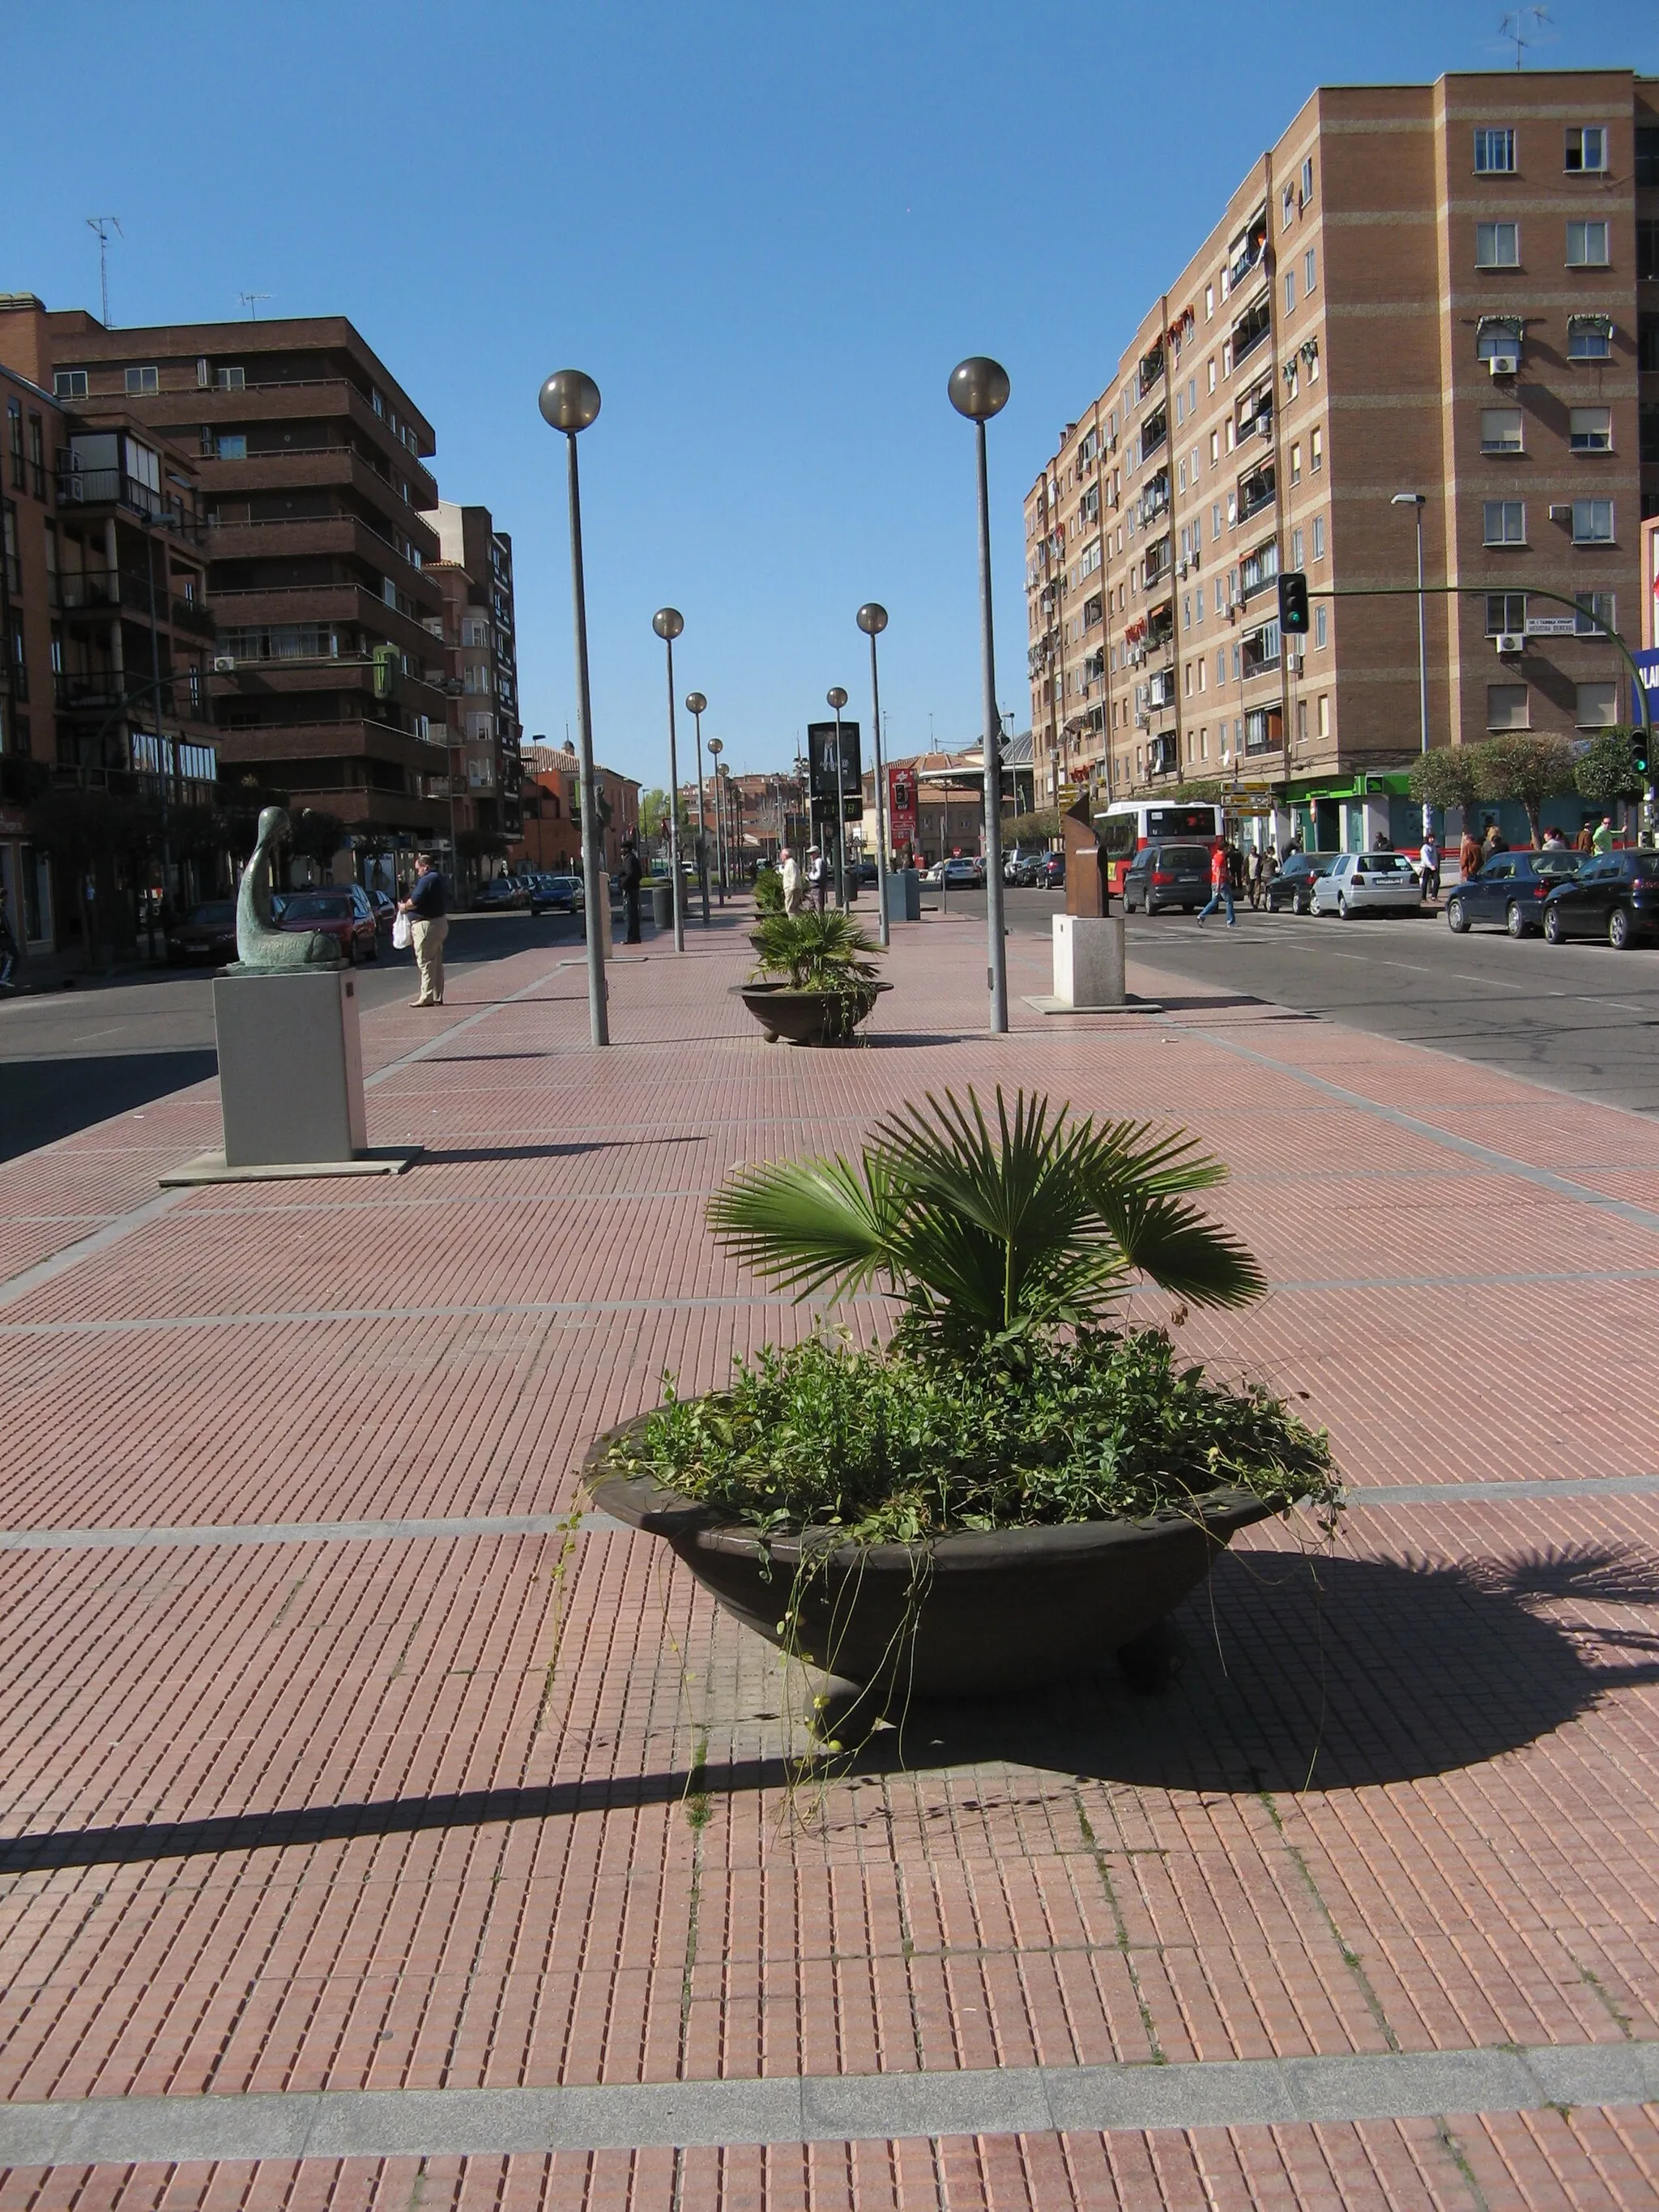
x,y
1510,891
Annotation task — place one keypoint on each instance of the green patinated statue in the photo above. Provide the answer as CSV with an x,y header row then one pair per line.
x,y
259,943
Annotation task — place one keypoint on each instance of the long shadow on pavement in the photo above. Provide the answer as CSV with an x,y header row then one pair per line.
x,y
1347,1673
42,1100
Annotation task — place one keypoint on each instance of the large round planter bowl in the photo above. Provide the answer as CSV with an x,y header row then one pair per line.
x,y
972,1615
808,1017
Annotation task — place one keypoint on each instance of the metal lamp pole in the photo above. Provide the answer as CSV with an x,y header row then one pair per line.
x,y
979,388
668,622
1417,500
569,401
716,747
872,619
836,699
694,704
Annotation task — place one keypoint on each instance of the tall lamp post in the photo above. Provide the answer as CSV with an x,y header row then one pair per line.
x,y
872,619
1417,500
569,401
668,622
836,698
979,389
695,705
716,747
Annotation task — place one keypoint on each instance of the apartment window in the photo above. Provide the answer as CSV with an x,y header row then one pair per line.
x,y
1181,475
1287,207
1590,429
1494,153
70,384
1307,180
1194,473
37,458
1309,270
1587,148
1592,522
1296,460
14,443
1319,536
1506,614
1221,665
1209,301
1315,450
231,445
1498,246
1505,522
1597,614
1192,395
1210,372
1590,338
1324,714
1597,707
1500,430
1215,523
1215,449
1297,560
1290,289
140,380
1322,624
1647,249
1587,245
1646,154
1506,707
231,379
1238,664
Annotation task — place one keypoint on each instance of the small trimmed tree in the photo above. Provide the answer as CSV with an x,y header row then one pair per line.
x,y
1528,768
1446,777
1606,770
315,834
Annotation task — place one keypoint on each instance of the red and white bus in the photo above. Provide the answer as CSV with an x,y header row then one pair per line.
x,y
1202,823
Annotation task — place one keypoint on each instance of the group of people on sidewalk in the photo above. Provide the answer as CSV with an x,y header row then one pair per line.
x,y
801,884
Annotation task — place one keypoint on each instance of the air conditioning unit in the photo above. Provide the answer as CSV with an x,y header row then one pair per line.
x,y
1562,513
224,664
1510,640
1503,364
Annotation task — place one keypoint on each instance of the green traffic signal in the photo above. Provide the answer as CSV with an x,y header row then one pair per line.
x,y
1293,602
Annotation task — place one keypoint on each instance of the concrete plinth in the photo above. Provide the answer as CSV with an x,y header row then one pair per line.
x,y
290,1067
1087,961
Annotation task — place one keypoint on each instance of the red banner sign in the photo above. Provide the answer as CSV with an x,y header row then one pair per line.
x,y
902,806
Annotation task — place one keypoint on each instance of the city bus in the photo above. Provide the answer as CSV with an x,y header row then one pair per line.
x,y
1202,823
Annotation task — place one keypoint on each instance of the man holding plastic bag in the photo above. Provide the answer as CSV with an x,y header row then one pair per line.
x,y
425,915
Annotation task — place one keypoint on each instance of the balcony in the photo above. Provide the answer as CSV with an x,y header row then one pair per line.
x,y
1251,331
1258,571
1248,251
1150,370
1256,490
1260,650
1154,498
1157,563
1256,412
1154,434
1161,690
1160,627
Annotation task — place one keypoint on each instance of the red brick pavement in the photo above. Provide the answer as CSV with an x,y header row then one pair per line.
x,y
1463,1688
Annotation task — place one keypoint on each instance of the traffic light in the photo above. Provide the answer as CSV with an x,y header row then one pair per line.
x,y
1641,743
1293,602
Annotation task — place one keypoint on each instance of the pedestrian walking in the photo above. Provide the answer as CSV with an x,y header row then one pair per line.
x,y
817,876
794,892
1554,842
1258,876
1602,839
1468,854
631,874
1493,841
1221,886
1585,841
427,908
1428,861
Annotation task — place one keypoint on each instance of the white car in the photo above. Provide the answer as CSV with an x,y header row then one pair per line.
x,y
1368,882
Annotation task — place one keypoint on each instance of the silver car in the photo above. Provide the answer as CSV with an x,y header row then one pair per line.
x,y
1368,882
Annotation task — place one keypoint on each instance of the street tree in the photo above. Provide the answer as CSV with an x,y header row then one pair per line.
x,y
1446,777
1606,770
1526,766
315,833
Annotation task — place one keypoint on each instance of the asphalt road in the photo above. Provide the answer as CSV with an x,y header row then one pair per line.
x,y
70,1057
1580,1018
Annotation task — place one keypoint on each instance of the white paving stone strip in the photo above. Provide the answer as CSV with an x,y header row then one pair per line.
x,y
1568,1490
825,2108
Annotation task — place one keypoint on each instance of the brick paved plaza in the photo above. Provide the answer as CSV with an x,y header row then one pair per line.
x,y
371,1841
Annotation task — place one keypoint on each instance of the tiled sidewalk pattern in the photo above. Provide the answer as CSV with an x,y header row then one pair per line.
x,y
1403,1797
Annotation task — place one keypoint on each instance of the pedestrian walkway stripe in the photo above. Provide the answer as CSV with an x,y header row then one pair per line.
x,y
1568,1490
825,2108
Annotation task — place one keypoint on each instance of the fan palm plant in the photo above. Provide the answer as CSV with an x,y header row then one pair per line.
x,y
990,1231
814,952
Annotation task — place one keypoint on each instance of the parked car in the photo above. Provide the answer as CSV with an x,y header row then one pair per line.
x,y
1509,891
340,911
1018,866
962,871
385,909
1164,875
1614,895
555,895
208,933
497,896
1368,883
1047,874
1293,886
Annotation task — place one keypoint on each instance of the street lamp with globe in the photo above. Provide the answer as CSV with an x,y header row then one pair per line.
x,y
872,619
695,705
979,389
569,401
668,622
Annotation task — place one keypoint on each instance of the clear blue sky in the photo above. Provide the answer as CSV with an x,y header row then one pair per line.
x,y
768,231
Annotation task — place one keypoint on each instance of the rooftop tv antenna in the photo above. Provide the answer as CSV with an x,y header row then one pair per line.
x,y
250,301
102,224
1514,26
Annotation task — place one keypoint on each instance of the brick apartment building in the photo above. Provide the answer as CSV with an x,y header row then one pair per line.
x,y
475,577
551,838
108,645
312,464
1451,289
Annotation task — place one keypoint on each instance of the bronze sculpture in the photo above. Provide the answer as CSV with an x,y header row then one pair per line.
x,y
260,945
